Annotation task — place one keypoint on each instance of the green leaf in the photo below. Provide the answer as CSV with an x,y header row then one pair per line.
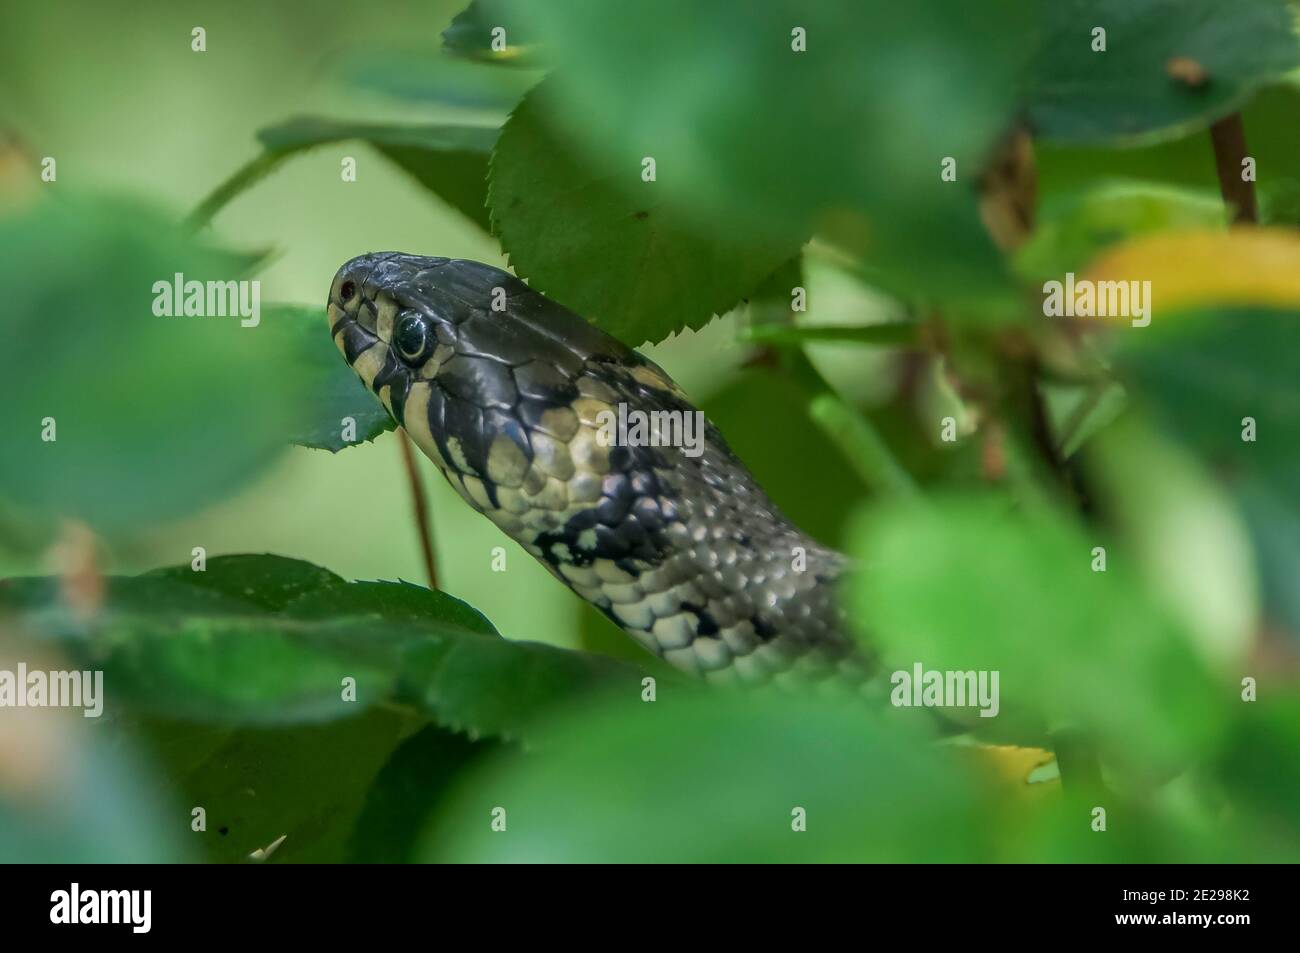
x,y
1275,532
1137,831
967,585
439,80
448,160
333,397
471,35
611,250
405,792
1202,373
266,581
494,688
710,779
306,783
242,668
1170,67
402,602
753,138
1182,532
153,416
1259,768
264,640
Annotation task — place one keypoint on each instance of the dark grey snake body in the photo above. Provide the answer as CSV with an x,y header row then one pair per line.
x,y
504,389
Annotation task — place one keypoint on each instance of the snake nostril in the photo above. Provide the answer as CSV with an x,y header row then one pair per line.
x,y
347,290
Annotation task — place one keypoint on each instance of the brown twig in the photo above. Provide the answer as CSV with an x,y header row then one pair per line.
x,y
1228,136
421,507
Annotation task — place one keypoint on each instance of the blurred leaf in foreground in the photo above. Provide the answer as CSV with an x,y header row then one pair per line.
x,y
1275,529
114,413
1205,372
721,778
1223,383
969,585
621,257
1260,768
69,795
778,118
1217,365
1184,533
1168,67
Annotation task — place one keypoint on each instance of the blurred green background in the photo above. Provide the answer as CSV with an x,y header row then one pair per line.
x,y
230,678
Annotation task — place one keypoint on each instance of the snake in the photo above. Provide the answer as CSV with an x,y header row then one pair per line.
x,y
513,396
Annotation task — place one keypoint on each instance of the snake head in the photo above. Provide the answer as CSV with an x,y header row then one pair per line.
x,y
377,320
463,355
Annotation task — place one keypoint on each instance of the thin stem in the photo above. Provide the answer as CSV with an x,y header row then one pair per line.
x,y
1090,404
865,449
853,434
1228,137
239,180
421,507
1029,429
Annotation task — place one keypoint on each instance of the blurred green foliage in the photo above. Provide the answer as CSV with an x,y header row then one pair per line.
x,y
828,138
384,721
1077,226
1166,64
624,256
129,395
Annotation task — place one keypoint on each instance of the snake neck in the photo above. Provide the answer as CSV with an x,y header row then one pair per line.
x,y
683,551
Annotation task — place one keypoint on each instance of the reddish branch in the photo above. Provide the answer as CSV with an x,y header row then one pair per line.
x,y
421,507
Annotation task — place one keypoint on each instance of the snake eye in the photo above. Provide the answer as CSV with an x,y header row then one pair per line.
x,y
411,337
347,290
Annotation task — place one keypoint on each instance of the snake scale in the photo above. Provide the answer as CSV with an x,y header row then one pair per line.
x,y
503,389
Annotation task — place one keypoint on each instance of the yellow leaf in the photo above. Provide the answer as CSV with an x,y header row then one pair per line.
x,y
1194,268
1018,772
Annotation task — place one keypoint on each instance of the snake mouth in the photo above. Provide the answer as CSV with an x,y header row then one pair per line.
x,y
388,321
365,299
